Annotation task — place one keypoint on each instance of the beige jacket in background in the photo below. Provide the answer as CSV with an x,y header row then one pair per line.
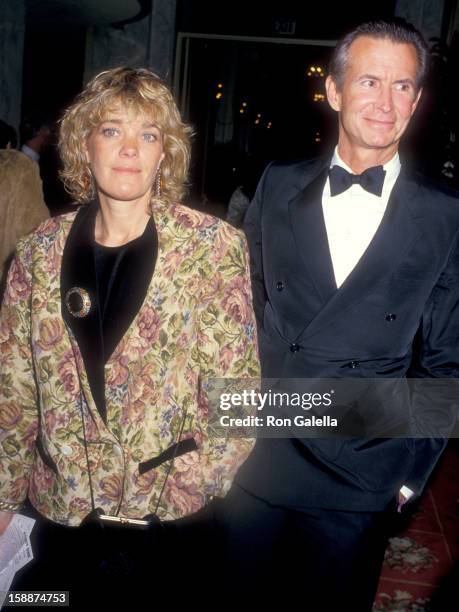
x,y
22,206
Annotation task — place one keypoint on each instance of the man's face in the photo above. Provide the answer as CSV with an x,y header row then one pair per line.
x,y
378,96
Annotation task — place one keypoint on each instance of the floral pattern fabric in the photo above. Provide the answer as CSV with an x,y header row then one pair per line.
x,y
196,322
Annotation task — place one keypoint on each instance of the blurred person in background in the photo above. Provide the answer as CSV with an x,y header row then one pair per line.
x,y
35,134
22,206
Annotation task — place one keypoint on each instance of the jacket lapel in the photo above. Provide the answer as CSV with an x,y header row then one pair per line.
x,y
78,273
398,231
131,281
310,234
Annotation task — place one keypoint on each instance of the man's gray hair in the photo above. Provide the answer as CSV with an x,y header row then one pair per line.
x,y
395,30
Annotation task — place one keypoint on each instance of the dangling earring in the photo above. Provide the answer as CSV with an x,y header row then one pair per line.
x,y
158,182
88,183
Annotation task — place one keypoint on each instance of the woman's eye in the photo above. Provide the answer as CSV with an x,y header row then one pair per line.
x,y
150,137
109,132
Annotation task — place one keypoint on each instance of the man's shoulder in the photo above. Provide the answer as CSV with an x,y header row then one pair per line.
x,y
15,164
435,186
296,169
434,196
282,181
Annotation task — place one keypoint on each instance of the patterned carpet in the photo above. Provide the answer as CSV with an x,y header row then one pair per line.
x,y
421,567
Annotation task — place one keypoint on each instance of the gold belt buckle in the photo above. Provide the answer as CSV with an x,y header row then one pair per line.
x,y
121,520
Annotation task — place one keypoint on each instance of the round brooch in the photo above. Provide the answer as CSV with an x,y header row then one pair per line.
x,y
78,302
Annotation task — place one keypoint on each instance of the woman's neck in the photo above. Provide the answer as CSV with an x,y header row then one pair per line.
x,y
118,223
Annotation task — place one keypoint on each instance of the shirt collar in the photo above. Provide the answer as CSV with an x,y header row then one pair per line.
x,y
30,153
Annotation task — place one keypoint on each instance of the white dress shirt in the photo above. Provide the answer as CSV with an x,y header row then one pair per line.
x,y
352,217
351,221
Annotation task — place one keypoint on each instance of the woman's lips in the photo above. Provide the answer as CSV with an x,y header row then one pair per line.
x,y
127,170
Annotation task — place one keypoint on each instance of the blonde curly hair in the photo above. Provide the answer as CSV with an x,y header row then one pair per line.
x,y
138,90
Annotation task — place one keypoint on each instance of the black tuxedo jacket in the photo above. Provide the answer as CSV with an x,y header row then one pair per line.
x,y
395,316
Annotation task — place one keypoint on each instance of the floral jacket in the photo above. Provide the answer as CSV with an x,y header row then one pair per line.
x,y
196,321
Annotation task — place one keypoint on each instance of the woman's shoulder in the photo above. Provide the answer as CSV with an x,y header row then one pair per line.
x,y
208,225
48,231
54,225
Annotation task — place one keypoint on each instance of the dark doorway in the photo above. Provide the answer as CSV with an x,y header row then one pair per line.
x,y
250,102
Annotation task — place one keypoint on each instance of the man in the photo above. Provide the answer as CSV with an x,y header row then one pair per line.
x,y
35,136
355,273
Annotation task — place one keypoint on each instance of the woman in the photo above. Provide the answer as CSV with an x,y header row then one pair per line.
x,y
113,318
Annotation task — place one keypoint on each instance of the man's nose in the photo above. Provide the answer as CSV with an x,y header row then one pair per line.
x,y
385,101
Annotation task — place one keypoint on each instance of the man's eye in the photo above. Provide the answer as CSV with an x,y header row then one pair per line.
x,y
150,137
110,132
368,83
403,87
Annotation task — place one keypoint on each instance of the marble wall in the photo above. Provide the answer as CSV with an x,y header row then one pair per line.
x,y
426,15
149,42
162,38
12,26
107,47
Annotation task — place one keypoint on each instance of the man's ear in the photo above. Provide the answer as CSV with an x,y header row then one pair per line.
x,y
333,94
416,101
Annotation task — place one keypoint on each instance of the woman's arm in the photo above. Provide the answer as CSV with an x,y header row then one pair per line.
x,y
18,392
227,345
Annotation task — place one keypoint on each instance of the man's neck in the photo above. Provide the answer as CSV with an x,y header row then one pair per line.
x,y
360,160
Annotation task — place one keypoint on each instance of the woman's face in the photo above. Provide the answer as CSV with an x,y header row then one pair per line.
x,y
124,153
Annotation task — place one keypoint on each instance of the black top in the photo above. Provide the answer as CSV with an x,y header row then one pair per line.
x,y
107,262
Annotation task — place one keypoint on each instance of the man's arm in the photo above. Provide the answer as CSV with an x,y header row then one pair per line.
x,y
435,368
253,230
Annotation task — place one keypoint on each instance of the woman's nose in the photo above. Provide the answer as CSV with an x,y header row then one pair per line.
x,y
129,147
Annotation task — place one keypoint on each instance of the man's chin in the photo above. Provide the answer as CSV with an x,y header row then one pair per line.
x,y
379,143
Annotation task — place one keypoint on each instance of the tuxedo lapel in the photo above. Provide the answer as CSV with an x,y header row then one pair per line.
x,y
78,272
308,228
398,231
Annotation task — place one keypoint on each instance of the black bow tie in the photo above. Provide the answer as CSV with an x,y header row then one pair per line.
x,y
372,180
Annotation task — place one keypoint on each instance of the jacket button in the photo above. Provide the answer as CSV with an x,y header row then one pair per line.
x,y
118,450
66,450
294,348
280,286
354,364
391,317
